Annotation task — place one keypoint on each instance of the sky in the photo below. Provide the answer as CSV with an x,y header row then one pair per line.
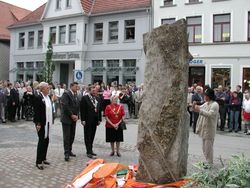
x,y
27,4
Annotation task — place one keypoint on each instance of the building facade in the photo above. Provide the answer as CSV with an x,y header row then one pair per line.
x,y
219,35
101,39
9,14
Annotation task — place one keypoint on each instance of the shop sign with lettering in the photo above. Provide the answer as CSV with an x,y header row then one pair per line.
x,y
196,62
66,56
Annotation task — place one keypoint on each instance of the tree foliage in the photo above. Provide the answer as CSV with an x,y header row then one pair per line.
x,y
49,66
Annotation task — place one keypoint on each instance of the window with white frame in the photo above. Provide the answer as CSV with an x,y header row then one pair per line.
x,y
40,38
248,26
62,34
129,29
194,29
221,28
29,65
193,1
21,40
97,63
98,32
113,65
167,2
220,76
85,32
58,4
167,21
72,33
113,31
31,39
20,65
68,3
53,35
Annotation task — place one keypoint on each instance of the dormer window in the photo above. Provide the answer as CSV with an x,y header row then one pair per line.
x,y
58,4
168,2
68,3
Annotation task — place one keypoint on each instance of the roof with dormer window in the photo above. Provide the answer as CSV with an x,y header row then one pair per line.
x,y
91,7
9,14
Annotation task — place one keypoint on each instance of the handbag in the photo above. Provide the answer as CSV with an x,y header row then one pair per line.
x,y
122,125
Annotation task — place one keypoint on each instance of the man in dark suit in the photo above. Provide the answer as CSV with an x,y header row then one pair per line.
x,y
69,117
43,119
90,108
14,103
197,99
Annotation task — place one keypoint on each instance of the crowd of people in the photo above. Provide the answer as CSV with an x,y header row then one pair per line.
x,y
234,107
42,102
16,98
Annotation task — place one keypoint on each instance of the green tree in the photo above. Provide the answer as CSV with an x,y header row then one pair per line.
x,y
49,66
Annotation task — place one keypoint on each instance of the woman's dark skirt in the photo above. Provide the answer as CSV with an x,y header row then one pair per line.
x,y
113,135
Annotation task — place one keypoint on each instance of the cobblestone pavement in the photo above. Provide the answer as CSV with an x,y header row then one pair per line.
x,y
18,143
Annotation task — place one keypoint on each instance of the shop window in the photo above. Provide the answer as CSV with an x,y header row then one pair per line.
x,y
98,32
221,28
194,29
31,39
196,76
129,29
221,76
72,33
97,79
113,31
129,71
167,21
246,79
53,35
20,77
21,40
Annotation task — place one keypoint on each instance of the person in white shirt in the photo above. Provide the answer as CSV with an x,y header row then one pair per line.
x,y
43,119
58,93
246,113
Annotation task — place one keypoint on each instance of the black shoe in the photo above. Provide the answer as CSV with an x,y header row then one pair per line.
x,y
230,130
66,158
112,153
91,156
3,121
72,154
46,162
118,154
94,154
39,166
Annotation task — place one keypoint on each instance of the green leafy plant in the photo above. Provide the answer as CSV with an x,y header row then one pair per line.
x,y
49,66
234,175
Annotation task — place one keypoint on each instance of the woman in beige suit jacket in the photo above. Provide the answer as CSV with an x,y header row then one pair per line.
x,y
207,123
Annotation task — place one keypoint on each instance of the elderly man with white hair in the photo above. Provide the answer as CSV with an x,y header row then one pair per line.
x,y
199,100
43,119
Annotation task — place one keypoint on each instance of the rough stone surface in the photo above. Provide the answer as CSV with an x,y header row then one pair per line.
x,y
163,125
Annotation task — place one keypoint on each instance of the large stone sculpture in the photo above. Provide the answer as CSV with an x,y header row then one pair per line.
x,y
163,124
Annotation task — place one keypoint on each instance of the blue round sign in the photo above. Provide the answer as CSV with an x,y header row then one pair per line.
x,y
79,75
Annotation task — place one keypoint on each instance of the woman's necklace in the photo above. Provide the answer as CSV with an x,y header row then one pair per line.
x,y
116,112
